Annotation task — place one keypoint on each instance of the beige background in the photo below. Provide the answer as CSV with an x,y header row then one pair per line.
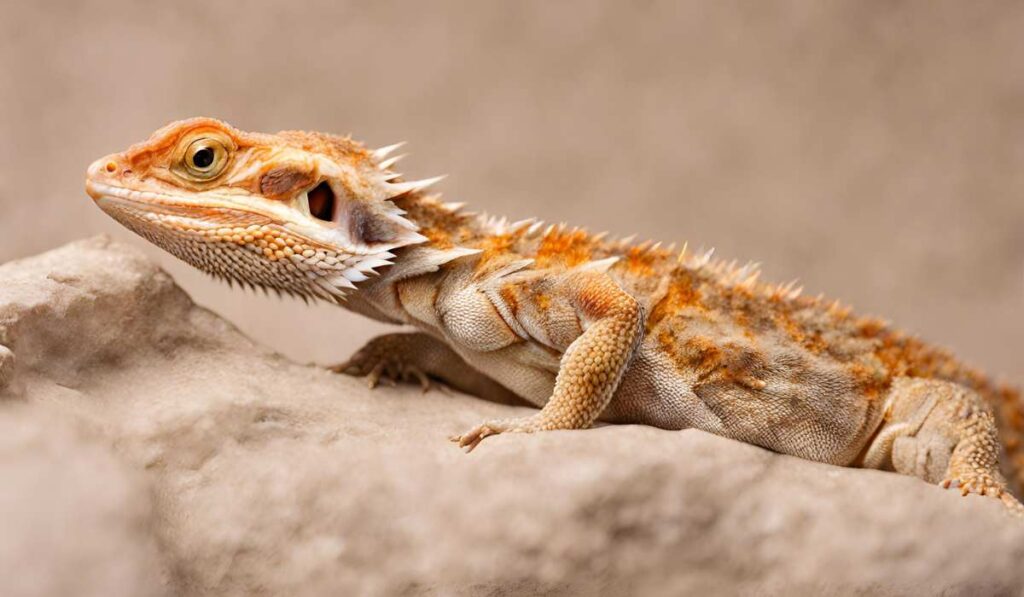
x,y
872,149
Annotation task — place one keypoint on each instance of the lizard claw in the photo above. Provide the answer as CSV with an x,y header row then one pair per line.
x,y
472,438
344,367
409,373
382,366
976,484
984,485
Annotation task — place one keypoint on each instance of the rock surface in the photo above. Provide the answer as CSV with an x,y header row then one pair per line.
x,y
148,448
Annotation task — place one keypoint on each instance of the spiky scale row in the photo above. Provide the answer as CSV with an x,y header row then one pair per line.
x,y
383,152
729,273
401,188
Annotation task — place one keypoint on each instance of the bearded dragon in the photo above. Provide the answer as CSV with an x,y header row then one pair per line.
x,y
584,327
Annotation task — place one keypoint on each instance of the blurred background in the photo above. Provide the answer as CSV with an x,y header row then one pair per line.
x,y
875,150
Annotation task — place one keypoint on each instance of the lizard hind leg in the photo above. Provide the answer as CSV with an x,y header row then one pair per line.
x,y
944,433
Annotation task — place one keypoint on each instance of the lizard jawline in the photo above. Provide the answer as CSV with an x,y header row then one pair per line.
x,y
245,248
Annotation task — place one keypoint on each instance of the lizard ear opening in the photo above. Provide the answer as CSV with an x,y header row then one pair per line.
x,y
322,203
360,224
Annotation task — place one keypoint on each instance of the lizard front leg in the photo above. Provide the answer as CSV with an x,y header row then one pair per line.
x,y
590,368
419,357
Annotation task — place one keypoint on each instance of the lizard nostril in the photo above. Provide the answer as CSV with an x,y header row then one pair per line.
x,y
111,167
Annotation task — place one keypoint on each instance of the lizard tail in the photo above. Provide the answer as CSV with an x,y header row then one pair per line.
x,y
1009,408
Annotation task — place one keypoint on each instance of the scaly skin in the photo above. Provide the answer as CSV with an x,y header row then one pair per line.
x,y
583,327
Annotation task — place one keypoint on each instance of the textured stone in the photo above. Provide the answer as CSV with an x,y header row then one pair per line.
x,y
74,519
253,474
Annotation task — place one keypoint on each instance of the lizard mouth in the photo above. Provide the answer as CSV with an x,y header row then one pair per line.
x,y
111,196
170,222
108,196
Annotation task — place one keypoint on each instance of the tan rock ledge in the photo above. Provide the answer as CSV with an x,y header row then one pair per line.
x,y
149,448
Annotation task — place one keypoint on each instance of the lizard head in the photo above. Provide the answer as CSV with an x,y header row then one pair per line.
x,y
302,213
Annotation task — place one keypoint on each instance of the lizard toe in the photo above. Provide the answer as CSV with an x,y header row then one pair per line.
x,y
985,486
385,369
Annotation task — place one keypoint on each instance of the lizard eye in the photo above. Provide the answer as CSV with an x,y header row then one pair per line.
x,y
205,158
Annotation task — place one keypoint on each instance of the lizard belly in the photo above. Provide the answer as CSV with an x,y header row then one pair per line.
x,y
523,368
653,392
777,397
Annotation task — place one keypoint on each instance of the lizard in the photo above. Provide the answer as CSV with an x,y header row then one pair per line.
x,y
584,327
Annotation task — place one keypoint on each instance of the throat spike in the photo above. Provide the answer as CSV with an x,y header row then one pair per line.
x,y
383,152
386,164
401,188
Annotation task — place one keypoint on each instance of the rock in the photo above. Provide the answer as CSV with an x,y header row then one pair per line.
x,y
260,475
76,520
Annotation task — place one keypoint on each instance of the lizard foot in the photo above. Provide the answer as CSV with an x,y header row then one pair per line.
x,y
976,484
1012,504
378,362
984,484
472,438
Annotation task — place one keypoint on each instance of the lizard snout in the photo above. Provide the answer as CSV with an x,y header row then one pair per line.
x,y
104,172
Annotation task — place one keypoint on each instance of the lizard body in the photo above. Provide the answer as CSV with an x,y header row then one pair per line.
x,y
584,327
